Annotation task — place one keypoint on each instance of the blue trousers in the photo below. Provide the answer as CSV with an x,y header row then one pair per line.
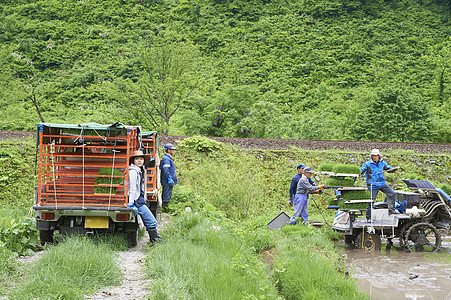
x,y
147,217
390,198
300,208
167,193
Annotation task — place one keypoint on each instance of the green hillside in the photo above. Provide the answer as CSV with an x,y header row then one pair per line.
x,y
324,69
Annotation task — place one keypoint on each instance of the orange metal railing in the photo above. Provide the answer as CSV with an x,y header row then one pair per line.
x,y
149,143
67,169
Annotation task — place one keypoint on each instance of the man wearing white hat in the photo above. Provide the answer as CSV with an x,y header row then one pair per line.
x,y
374,174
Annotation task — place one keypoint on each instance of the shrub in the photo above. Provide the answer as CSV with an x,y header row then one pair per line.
x,y
18,233
200,144
104,184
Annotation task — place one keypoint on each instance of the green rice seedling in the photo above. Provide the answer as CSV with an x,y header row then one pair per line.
x,y
337,181
332,201
75,267
343,205
105,184
356,195
228,270
346,169
327,167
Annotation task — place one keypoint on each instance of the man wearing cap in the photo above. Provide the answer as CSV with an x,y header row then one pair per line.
x,y
303,189
294,182
168,176
374,174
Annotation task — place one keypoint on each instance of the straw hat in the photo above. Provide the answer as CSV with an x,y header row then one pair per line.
x,y
139,153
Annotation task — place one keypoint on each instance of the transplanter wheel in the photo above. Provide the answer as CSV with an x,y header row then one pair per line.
x,y
423,237
367,241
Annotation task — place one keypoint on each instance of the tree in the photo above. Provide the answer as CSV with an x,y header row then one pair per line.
x,y
30,85
165,77
394,114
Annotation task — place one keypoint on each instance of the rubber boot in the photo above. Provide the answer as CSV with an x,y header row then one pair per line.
x,y
154,237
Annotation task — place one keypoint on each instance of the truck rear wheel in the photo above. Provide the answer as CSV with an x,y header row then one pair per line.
x,y
132,237
46,236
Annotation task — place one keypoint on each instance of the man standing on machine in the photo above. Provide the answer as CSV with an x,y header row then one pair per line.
x,y
374,174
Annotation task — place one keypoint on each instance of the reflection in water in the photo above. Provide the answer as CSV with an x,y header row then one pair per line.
x,y
396,274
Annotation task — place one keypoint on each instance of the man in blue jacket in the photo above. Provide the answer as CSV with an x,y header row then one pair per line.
x,y
294,182
168,176
374,174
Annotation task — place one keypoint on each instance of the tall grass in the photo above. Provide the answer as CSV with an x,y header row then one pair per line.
x,y
307,267
75,267
8,267
201,260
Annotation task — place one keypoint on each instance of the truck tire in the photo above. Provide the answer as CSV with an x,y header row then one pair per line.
x,y
132,237
46,236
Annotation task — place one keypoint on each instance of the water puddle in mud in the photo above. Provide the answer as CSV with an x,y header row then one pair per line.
x,y
396,274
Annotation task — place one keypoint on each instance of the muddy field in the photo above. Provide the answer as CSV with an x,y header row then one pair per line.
x,y
285,144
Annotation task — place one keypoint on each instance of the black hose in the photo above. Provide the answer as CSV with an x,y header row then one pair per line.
x,y
320,212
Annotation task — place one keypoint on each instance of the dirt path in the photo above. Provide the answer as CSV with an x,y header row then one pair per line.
x,y
134,285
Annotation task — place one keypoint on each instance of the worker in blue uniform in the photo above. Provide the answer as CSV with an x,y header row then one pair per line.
x,y
303,189
168,175
294,182
374,174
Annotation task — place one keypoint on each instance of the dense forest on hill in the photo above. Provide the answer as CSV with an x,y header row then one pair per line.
x,y
305,69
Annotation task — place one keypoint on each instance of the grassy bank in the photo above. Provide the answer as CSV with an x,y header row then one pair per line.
x,y
244,183
205,259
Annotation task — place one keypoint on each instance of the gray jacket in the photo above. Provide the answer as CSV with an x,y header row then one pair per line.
x,y
134,188
304,186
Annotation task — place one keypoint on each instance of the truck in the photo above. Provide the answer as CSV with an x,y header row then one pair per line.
x,y
82,183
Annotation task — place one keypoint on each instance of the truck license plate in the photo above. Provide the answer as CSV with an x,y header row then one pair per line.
x,y
96,222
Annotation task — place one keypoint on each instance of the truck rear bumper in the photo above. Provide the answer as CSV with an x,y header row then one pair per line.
x,y
53,213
